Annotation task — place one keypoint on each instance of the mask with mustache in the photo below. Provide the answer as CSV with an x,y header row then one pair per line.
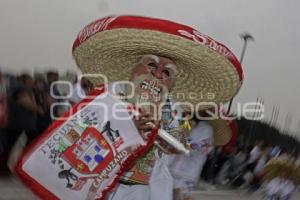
x,y
153,78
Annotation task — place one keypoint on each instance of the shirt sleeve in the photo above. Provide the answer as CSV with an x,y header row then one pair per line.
x,y
201,138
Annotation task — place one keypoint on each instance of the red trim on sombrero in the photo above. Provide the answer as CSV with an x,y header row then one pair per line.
x,y
232,142
40,190
136,22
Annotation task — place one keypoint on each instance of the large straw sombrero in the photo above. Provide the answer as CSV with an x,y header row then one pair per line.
x,y
208,71
275,168
225,131
231,144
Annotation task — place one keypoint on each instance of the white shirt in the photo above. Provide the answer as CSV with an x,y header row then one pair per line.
x,y
272,187
279,186
286,188
161,181
260,165
175,122
254,154
189,167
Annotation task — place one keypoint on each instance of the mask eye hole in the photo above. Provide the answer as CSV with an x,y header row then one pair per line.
x,y
166,73
152,65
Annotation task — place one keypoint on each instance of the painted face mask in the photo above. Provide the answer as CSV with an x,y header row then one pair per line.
x,y
153,77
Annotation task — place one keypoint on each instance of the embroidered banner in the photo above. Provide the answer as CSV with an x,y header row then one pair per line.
x,y
83,155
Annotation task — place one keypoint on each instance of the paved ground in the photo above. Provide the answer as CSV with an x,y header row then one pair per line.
x,y
231,195
12,189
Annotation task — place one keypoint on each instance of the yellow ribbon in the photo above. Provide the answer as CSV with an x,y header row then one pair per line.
x,y
186,126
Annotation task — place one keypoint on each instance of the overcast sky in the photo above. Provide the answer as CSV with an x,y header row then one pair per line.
x,y
39,34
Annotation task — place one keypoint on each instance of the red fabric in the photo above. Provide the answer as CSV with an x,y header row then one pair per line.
x,y
168,27
3,104
3,111
41,191
232,143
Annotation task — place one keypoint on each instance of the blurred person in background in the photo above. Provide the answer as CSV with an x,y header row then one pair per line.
x,y
23,109
275,151
43,101
3,115
88,86
52,77
280,187
259,168
22,115
81,88
253,171
210,166
255,154
3,102
186,169
232,167
53,92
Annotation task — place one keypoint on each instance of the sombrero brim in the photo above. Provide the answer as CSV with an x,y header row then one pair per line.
x,y
223,131
204,74
275,168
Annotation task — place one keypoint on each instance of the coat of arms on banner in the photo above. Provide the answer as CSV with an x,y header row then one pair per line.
x,y
82,157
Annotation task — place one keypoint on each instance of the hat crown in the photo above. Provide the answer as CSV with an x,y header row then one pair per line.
x,y
147,23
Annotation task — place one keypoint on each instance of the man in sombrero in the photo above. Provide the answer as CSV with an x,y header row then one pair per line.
x,y
162,59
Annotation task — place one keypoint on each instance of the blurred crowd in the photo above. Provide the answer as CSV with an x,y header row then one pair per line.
x,y
28,105
263,166
247,168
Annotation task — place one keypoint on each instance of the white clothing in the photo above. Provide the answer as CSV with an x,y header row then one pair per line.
x,y
260,165
117,88
160,185
280,187
272,187
175,122
186,169
128,192
287,188
254,154
275,152
202,137
161,182
248,177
